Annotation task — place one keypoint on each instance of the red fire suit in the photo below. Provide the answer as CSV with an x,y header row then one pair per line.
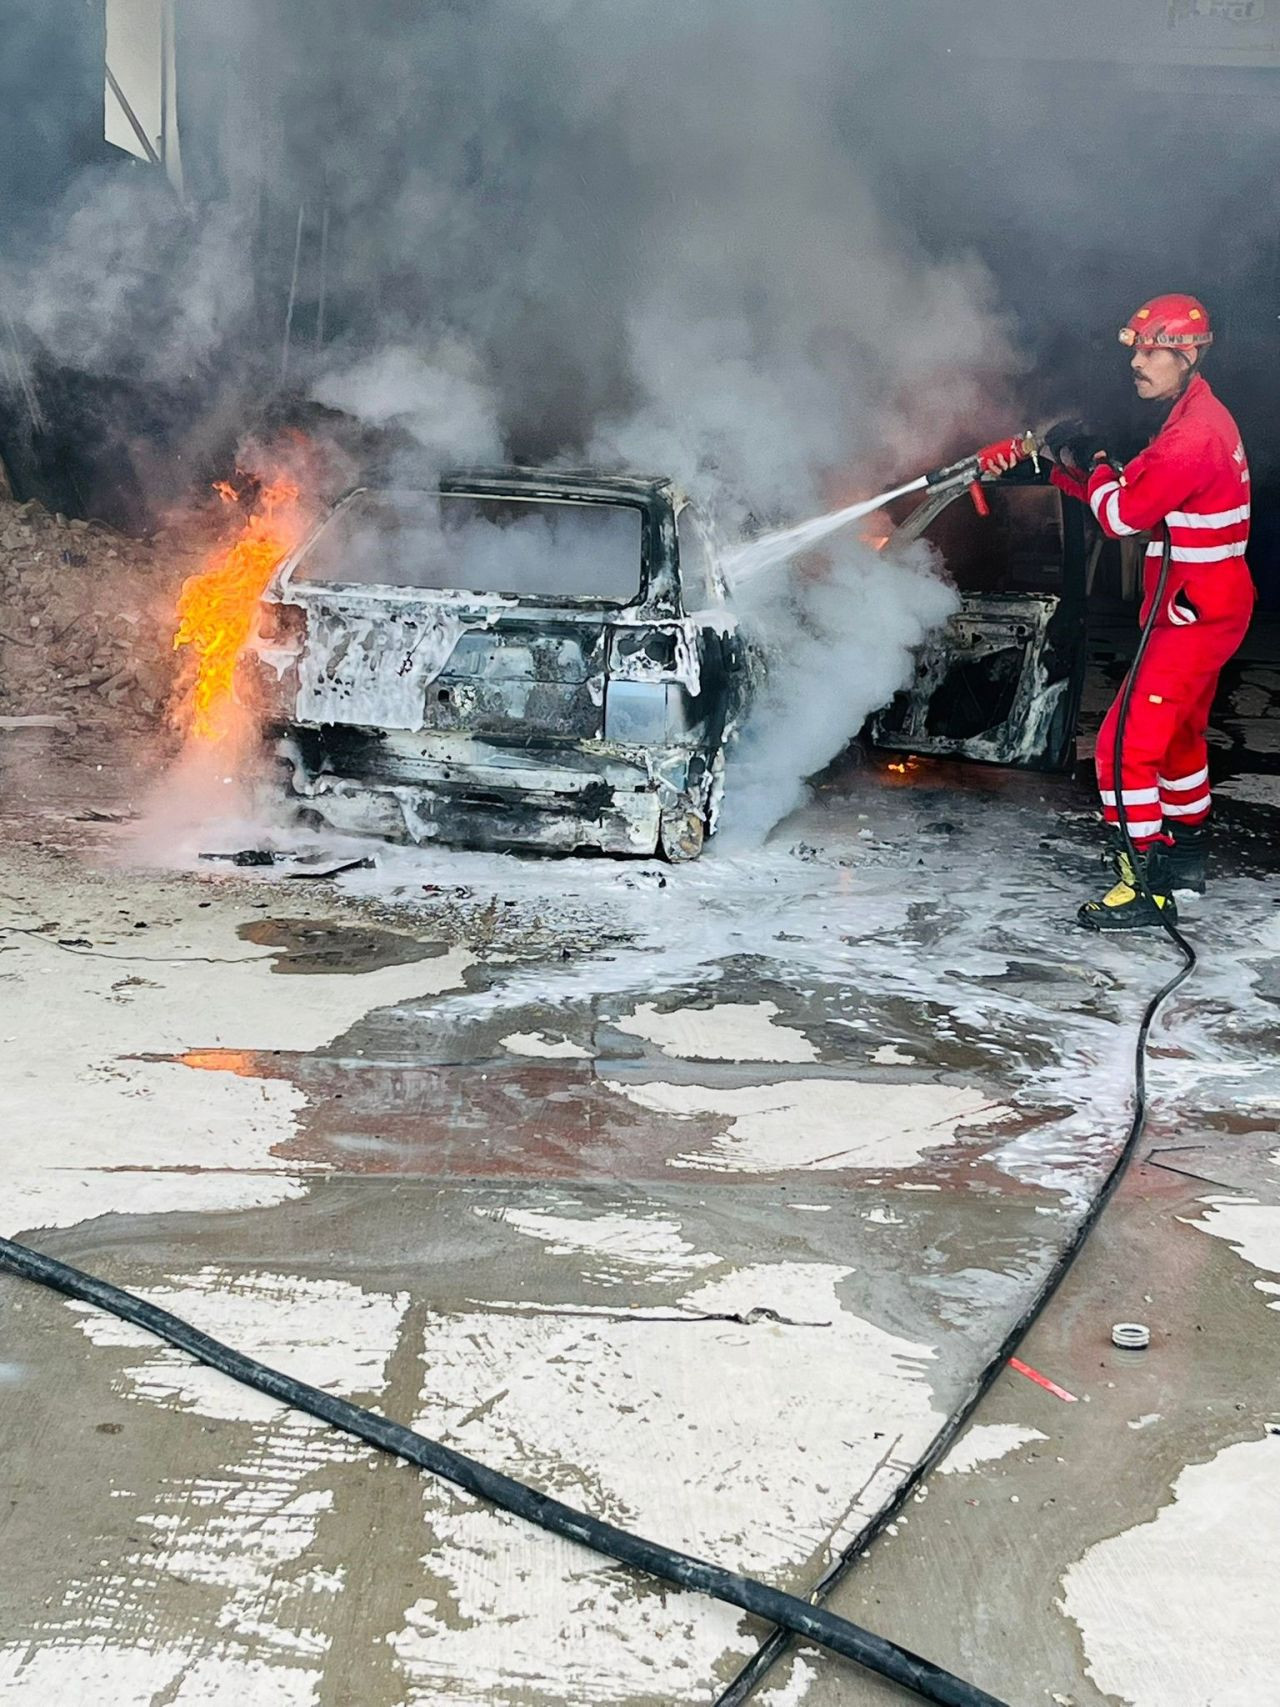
x,y
1193,477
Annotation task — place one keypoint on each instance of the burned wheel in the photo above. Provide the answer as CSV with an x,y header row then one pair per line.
x,y
681,833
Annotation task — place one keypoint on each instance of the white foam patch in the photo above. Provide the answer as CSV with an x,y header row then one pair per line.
x,y
1251,1228
789,1688
820,1123
1181,1610
731,1031
888,1055
124,1134
622,1248
63,1197
326,1332
638,1423
243,1534
542,1043
984,1443
102,1672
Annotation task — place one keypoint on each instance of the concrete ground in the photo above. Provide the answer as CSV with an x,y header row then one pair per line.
x,y
701,1197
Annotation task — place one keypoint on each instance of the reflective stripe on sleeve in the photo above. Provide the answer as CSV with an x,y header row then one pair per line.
x,y
1108,497
1112,507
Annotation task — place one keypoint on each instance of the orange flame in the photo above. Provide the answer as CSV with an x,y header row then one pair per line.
x,y
216,608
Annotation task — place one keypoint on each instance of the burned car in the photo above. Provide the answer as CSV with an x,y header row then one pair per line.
x,y
1001,682
513,658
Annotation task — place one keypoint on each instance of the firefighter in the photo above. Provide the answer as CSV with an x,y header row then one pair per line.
x,y
1192,479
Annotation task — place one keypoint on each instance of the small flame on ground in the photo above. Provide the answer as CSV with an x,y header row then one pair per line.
x,y
216,608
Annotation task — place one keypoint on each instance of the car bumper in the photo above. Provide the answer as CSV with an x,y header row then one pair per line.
x,y
466,793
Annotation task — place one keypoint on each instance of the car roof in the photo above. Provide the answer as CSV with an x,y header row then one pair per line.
x,y
561,483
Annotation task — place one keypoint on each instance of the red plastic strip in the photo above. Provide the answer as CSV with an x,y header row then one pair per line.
x,y
1042,1380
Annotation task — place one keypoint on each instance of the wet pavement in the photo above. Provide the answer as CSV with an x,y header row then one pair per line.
x,y
701,1197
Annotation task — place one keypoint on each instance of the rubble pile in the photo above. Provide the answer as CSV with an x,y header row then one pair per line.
x,y
86,617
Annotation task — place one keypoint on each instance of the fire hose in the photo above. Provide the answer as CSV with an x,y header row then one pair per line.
x,y
772,548
1122,811
777,1644
791,1616
970,469
788,1612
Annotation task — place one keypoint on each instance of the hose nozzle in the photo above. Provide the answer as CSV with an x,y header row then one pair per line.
x,y
1016,449
986,464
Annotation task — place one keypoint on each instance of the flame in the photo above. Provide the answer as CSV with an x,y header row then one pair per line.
x,y
216,608
899,768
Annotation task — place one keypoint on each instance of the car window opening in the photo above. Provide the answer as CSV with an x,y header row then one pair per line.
x,y
475,543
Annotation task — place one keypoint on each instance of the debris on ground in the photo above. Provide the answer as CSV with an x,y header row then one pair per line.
x,y
43,722
317,872
86,617
248,856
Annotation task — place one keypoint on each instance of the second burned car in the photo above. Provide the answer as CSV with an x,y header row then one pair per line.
x,y
511,658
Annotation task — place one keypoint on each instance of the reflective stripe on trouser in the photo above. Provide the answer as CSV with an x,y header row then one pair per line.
x,y
1184,771
1164,744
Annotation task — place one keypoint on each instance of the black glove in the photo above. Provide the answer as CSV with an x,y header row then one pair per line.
x,y
1075,446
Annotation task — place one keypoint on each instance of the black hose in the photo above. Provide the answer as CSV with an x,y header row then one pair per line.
x,y
876,1653
1122,714
792,1616
776,1645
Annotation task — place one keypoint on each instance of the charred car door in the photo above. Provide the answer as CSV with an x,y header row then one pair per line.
x,y
1001,682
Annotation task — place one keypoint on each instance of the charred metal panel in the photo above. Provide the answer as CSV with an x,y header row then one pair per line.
x,y
999,684
500,721
482,794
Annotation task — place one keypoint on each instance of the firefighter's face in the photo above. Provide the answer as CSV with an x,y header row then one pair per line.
x,y
1158,374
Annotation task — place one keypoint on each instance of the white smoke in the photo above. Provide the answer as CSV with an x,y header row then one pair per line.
x,y
622,232
838,648
133,283
438,395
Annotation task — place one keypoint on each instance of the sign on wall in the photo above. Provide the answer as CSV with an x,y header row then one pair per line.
x,y
1168,32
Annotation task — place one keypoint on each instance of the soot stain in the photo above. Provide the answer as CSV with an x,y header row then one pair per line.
x,y
324,945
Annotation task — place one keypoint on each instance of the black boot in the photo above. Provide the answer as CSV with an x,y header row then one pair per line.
x,y
1125,906
1187,860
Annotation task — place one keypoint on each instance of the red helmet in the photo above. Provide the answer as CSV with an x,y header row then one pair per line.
x,y
1173,322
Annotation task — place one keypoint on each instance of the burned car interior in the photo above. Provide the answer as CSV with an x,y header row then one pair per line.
x,y
513,658
517,658
1001,682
